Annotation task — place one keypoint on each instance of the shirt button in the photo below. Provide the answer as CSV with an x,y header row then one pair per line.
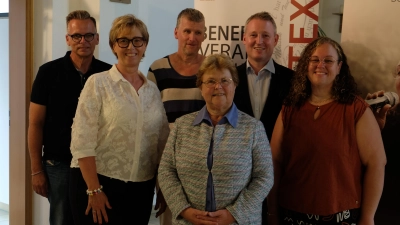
x,y
356,202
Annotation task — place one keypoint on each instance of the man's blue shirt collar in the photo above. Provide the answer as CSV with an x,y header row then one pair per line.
x,y
269,66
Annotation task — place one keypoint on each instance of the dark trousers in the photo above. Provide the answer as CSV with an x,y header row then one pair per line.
x,y
131,202
58,176
264,212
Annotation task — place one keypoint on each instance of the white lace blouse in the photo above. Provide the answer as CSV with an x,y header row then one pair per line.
x,y
125,130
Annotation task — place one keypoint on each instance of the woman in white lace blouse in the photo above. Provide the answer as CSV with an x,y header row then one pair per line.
x,y
119,131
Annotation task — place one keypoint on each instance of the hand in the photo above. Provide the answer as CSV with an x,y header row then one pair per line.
x,y
222,217
97,203
160,204
39,184
194,216
380,114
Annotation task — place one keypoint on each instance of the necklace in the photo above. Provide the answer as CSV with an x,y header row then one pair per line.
x,y
320,102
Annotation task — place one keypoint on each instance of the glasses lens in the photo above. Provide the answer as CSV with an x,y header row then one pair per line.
x,y
76,37
210,83
138,42
123,42
314,60
328,61
89,37
225,82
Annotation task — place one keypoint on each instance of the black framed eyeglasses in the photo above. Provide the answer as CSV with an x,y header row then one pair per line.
x,y
78,37
136,42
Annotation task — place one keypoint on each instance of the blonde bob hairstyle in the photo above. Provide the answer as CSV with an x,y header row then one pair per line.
x,y
123,22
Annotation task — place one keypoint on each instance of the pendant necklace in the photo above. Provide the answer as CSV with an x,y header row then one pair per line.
x,y
318,105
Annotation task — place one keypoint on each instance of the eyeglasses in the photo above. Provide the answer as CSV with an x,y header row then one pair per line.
x,y
212,83
78,37
328,61
136,42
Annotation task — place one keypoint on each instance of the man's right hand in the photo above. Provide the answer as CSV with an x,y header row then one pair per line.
x,y
40,185
380,114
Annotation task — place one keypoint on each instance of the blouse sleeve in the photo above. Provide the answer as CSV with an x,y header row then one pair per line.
x,y
248,203
85,126
164,132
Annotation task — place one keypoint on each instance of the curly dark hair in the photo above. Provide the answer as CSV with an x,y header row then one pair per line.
x,y
344,88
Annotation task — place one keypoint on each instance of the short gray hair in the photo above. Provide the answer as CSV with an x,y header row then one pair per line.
x,y
193,15
80,15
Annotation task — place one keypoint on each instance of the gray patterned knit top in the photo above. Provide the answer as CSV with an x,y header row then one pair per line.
x,y
242,167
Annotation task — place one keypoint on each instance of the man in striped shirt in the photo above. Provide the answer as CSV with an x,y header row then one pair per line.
x,y
175,76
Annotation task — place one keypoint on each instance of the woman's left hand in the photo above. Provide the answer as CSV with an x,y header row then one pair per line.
x,y
98,203
222,217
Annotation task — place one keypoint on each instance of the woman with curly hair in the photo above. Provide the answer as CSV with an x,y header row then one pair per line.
x,y
327,150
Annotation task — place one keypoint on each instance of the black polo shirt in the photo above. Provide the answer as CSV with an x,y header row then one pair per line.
x,y
57,86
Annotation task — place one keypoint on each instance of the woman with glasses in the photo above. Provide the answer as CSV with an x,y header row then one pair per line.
x,y
119,132
327,151
216,167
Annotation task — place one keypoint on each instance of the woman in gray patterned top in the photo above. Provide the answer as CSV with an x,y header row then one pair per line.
x,y
216,167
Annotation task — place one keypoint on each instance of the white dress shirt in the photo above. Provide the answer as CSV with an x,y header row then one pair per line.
x,y
259,86
125,130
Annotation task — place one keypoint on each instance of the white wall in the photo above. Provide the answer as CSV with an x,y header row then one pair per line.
x,y
50,29
4,116
329,22
4,6
158,15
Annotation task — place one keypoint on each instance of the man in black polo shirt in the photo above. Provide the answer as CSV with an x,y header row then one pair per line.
x,y
54,99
